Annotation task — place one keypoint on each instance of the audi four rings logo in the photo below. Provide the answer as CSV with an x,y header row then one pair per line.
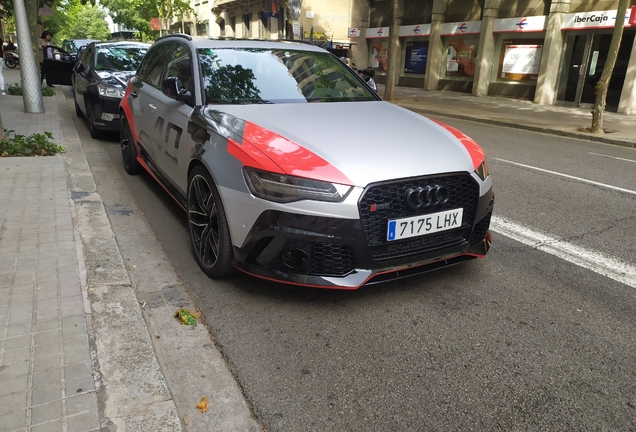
x,y
426,196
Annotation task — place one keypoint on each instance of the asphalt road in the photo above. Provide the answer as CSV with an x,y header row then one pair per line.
x,y
522,340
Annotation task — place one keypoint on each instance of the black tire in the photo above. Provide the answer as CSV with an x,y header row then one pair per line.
x,y
11,62
128,149
207,223
78,111
95,133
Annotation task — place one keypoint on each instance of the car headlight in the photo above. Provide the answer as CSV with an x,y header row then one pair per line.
x,y
482,170
110,92
284,188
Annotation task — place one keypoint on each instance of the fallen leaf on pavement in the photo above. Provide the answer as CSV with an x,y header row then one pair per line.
x,y
203,405
186,317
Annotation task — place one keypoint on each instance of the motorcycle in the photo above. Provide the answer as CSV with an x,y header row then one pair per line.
x,y
11,59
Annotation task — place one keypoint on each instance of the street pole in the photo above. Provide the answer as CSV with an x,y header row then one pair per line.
x,y
29,74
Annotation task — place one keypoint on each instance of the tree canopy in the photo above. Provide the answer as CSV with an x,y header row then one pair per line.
x,y
74,20
136,14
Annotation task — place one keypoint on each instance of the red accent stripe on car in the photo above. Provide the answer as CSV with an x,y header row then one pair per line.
x,y
477,154
291,157
251,156
125,105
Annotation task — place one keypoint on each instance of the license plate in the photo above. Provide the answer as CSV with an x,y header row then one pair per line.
x,y
425,224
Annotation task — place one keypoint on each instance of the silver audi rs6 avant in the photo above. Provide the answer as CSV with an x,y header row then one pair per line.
x,y
290,168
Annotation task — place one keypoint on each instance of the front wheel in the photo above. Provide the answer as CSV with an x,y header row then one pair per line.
x,y
128,149
78,111
11,62
209,231
95,133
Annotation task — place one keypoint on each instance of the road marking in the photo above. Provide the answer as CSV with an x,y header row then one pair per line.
x,y
589,259
612,157
616,188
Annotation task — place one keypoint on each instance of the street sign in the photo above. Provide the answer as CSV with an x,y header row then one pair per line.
x,y
354,32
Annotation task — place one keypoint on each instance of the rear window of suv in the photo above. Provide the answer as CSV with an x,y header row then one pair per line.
x,y
262,76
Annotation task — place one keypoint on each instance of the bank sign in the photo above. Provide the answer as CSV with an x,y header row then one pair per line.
x,y
596,19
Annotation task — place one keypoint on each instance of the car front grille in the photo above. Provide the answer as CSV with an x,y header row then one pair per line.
x,y
325,259
388,201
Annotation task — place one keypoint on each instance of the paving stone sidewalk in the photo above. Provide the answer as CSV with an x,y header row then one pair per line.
x,y
46,378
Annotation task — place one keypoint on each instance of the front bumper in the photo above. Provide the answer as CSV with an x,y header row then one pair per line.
x,y
340,253
106,114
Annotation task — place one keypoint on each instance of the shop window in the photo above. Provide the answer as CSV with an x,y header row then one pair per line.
x,y
415,57
379,54
461,54
520,59
202,29
247,24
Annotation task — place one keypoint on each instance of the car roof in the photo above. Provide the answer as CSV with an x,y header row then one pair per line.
x,y
204,42
86,41
107,44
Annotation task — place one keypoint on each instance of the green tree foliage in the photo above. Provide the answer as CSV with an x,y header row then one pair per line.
x,y
74,20
136,14
7,6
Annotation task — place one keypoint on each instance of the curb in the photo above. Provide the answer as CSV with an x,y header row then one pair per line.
x,y
147,286
132,392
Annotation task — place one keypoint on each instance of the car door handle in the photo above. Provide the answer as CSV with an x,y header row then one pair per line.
x,y
133,95
153,108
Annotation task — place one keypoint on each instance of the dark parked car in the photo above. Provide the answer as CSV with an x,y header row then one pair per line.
x,y
99,79
72,46
236,132
59,68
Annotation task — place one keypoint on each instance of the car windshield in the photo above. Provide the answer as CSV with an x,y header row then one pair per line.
x,y
72,46
255,76
120,57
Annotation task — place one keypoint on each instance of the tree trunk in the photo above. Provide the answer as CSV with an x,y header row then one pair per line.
x,y
31,7
603,83
393,63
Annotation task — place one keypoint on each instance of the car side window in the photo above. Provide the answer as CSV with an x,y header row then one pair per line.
x,y
151,69
85,57
180,66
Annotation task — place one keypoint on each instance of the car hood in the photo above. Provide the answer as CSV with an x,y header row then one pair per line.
x,y
365,141
115,78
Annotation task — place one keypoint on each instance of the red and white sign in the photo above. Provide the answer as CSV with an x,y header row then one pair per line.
x,y
588,20
155,24
354,32
521,25
460,28
377,32
415,30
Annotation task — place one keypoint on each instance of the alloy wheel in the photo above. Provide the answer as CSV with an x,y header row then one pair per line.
x,y
203,217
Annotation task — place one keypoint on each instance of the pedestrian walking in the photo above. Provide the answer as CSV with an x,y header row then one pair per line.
x,y
46,52
2,91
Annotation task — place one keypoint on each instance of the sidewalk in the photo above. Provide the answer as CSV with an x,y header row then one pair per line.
x,y
520,114
82,347
76,352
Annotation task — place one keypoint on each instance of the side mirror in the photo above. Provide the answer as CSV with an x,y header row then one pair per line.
x,y
79,68
174,89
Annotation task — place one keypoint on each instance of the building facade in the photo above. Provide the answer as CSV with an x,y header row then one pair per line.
x,y
548,51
